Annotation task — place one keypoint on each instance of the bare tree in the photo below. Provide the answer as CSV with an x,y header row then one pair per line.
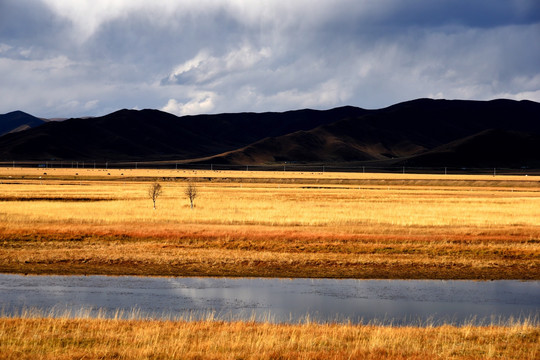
x,y
191,192
154,191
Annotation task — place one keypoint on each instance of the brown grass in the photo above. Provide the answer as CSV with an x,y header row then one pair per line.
x,y
64,338
262,251
474,228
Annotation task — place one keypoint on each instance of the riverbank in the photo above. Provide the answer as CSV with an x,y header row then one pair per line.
x,y
65,338
258,251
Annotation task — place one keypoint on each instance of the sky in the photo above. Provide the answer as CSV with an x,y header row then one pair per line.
x,y
91,57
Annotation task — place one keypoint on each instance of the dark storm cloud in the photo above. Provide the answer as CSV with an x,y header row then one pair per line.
x,y
64,58
25,20
27,23
475,14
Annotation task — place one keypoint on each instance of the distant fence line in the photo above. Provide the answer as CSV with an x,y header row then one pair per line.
x,y
320,168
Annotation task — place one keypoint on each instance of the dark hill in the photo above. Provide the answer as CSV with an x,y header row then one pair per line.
x,y
17,121
489,148
156,135
415,133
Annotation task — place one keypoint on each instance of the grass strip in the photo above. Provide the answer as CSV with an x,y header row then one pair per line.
x,y
68,338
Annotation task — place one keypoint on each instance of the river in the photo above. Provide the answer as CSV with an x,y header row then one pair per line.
x,y
399,302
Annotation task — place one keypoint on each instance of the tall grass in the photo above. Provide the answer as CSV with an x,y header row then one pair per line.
x,y
34,337
271,205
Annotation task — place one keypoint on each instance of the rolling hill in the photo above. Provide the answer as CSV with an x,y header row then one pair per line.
x,y
18,121
421,132
489,148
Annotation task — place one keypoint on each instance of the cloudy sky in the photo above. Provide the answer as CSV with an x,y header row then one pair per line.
x,y
91,57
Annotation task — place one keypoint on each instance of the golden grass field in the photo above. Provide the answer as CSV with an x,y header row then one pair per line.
x,y
82,338
270,224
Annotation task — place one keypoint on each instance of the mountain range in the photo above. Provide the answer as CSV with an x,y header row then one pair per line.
x,y
422,132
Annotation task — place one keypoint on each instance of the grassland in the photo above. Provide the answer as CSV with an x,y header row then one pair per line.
x,y
270,224
82,338
92,221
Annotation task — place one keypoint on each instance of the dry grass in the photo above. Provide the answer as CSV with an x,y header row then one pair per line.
x,y
82,338
474,228
509,181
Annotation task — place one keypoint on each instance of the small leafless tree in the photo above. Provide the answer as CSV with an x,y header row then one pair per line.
x,y
154,191
191,192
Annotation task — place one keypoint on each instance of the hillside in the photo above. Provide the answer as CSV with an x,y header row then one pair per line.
x,y
421,132
18,121
489,148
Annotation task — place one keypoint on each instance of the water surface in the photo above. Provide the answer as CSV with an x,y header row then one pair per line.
x,y
279,300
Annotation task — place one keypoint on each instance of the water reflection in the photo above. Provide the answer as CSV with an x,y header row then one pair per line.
x,y
280,300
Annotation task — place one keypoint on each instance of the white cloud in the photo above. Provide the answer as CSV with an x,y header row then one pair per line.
x,y
190,65
204,67
89,105
200,103
4,48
